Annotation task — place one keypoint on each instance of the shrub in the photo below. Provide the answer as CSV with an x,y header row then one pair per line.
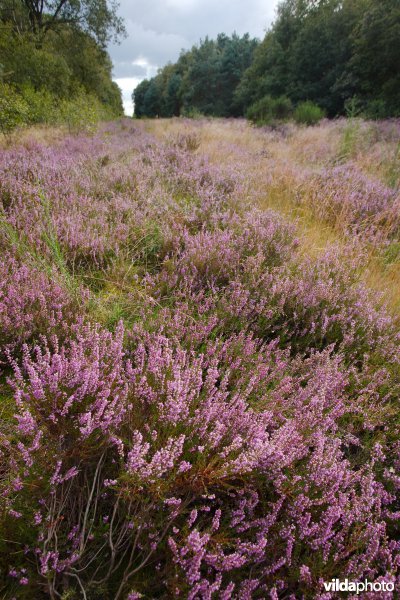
x,y
192,113
237,437
377,109
80,113
268,110
42,105
308,113
188,141
353,202
13,109
225,469
32,303
353,107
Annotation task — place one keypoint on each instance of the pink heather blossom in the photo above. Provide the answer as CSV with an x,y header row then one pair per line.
x,y
185,392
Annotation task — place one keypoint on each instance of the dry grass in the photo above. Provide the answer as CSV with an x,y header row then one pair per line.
x,y
274,162
40,134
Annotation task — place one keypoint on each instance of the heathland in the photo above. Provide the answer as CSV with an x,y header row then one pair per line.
x,y
199,346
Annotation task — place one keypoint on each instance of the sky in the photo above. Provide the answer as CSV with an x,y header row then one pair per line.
x,y
159,29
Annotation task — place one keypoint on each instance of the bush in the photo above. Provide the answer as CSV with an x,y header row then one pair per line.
x,y
238,436
377,109
267,110
308,113
192,113
30,106
42,105
80,113
353,107
32,303
13,109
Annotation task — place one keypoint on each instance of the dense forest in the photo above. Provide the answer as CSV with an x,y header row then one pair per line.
x,y
340,55
54,65
204,80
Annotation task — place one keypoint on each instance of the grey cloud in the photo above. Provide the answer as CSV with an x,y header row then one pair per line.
x,y
130,69
156,48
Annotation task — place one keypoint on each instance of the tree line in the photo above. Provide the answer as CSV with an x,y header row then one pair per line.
x,y
340,55
53,58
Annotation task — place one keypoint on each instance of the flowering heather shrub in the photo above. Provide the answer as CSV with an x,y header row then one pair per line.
x,y
320,302
203,192
54,189
211,259
307,304
236,436
68,401
355,203
32,303
211,466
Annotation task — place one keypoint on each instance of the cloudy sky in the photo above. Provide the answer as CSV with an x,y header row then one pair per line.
x,y
159,29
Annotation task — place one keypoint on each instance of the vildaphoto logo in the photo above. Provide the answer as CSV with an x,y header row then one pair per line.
x,y
336,585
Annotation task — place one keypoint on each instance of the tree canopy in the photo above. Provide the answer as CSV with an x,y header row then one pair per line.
x,y
204,79
98,18
56,50
327,52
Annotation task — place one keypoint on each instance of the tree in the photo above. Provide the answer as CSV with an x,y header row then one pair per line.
x,y
172,101
305,54
98,18
152,101
13,110
67,63
138,98
25,64
236,58
321,52
204,80
374,68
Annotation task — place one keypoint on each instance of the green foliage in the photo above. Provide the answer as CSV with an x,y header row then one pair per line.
x,y
152,99
328,52
353,107
192,113
203,81
393,168
81,113
340,55
138,97
308,113
374,65
391,254
42,105
269,110
57,74
27,65
13,109
97,18
377,109
349,141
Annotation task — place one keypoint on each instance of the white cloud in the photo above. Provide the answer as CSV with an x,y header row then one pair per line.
x,y
127,84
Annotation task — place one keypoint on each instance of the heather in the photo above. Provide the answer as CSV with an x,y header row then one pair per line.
x,y
197,402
